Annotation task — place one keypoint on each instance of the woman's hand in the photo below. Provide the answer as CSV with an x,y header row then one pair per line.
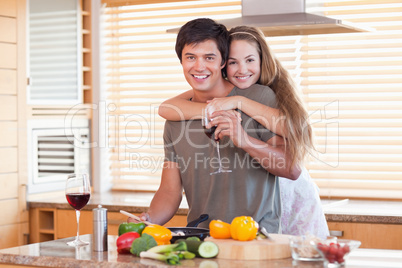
x,y
223,104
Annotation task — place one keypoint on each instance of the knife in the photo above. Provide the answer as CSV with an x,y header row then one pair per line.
x,y
265,233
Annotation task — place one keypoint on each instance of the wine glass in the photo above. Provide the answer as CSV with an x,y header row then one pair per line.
x,y
78,192
210,132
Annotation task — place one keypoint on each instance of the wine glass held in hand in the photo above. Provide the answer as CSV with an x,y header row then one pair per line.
x,y
78,192
210,133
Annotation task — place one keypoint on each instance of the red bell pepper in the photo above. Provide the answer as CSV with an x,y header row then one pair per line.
x,y
125,241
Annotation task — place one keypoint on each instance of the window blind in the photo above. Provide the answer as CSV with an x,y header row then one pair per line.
x,y
143,71
351,84
54,59
353,88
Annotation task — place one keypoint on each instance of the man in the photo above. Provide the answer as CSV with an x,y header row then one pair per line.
x,y
251,189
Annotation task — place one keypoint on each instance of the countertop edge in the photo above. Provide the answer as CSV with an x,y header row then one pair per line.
x,y
353,211
363,219
89,207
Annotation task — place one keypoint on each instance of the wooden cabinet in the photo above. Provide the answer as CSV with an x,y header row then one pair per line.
x,y
14,216
86,50
372,235
50,223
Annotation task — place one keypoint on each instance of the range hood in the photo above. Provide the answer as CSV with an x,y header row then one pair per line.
x,y
286,17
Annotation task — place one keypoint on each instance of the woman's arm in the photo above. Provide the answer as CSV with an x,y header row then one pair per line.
x,y
181,108
267,116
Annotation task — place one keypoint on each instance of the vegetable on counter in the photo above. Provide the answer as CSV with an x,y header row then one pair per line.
x,y
125,241
203,249
169,248
162,235
142,243
171,254
243,228
219,229
170,258
131,227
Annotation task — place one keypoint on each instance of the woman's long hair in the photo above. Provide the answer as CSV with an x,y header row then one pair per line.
x,y
299,140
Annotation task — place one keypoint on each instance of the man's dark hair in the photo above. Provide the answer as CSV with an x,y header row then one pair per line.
x,y
201,30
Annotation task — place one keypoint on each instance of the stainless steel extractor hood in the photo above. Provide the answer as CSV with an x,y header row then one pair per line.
x,y
286,17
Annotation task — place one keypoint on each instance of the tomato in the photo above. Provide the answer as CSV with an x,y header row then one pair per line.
x,y
219,229
333,249
125,241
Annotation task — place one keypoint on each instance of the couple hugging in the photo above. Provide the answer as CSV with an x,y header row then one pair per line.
x,y
262,128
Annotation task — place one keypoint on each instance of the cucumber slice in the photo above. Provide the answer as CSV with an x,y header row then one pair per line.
x,y
208,249
203,249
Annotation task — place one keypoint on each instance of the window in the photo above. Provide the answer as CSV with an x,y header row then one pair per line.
x,y
351,82
143,71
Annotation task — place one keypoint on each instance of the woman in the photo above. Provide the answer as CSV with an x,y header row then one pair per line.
x,y
251,61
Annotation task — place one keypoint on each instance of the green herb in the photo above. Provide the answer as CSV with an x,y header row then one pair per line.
x,y
169,258
171,254
169,248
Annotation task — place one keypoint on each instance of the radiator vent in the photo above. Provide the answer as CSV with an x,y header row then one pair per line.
x,y
55,152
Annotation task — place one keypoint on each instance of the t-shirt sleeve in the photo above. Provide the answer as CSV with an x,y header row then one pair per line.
x,y
268,98
264,95
170,153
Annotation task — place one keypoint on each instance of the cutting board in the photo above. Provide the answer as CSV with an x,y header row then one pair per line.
x,y
265,249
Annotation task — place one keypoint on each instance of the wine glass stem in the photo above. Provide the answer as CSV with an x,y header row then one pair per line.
x,y
77,214
219,155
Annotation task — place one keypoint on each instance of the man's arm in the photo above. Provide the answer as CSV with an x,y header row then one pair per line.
x,y
167,199
271,155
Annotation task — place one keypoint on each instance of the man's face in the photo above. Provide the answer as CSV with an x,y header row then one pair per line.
x,y
202,65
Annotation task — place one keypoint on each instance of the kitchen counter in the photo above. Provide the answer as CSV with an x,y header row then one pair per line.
x,y
57,254
387,212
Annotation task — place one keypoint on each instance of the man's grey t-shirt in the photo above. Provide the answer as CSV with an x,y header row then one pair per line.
x,y
249,190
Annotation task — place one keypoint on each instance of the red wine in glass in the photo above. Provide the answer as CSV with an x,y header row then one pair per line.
x,y
78,192
78,200
209,131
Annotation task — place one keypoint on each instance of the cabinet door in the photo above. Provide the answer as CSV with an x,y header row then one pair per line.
x,y
55,56
382,236
13,235
66,223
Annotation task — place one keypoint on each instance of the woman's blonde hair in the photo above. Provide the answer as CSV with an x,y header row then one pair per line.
x,y
289,102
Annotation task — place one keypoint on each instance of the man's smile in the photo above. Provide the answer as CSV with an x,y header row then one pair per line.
x,y
200,76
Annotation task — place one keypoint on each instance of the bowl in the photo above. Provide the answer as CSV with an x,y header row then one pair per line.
x,y
303,250
334,251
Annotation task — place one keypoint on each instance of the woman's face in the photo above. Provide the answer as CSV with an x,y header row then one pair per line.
x,y
244,64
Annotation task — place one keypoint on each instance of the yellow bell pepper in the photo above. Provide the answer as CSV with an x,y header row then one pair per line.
x,y
219,229
243,228
162,235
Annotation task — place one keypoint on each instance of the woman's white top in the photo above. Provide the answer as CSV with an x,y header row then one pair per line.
x,y
302,212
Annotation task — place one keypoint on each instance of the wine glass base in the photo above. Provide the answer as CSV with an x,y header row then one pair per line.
x,y
77,243
220,171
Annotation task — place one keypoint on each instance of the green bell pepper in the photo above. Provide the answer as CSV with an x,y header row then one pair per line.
x,y
131,227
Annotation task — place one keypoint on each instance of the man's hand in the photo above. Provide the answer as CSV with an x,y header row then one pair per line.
x,y
271,154
228,123
144,217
